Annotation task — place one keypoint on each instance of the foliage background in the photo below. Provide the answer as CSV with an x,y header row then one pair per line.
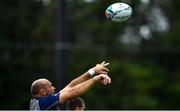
x,y
143,51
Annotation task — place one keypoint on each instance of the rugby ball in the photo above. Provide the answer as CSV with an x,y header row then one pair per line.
x,y
118,12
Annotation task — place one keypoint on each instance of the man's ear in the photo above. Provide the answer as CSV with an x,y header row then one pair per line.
x,y
43,92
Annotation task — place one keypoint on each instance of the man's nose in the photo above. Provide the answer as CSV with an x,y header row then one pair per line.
x,y
54,88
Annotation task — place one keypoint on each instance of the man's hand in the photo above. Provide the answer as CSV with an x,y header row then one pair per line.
x,y
102,78
101,68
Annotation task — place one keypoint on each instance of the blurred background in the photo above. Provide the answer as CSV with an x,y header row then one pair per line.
x,y
61,39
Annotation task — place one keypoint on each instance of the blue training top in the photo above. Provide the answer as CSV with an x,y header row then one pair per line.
x,y
45,102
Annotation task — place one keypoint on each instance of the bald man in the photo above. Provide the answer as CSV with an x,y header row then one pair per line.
x,y
43,92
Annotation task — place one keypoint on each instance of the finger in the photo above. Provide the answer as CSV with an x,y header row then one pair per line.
x,y
104,81
103,62
97,64
109,80
103,76
104,72
105,69
106,64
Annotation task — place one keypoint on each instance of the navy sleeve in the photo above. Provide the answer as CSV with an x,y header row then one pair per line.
x,y
45,102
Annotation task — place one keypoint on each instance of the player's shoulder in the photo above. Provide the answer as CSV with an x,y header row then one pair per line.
x,y
46,101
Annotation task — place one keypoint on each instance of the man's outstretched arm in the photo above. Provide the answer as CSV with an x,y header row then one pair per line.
x,y
83,87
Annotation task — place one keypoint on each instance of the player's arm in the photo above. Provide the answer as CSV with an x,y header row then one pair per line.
x,y
70,92
98,69
79,79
